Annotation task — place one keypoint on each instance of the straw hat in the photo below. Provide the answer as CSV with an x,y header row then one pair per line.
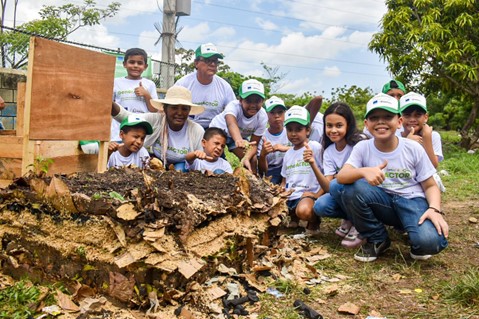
x,y
177,95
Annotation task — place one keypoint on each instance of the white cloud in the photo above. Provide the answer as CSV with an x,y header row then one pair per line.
x,y
266,24
96,35
202,32
332,72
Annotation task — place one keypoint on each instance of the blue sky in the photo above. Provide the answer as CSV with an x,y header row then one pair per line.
x,y
318,44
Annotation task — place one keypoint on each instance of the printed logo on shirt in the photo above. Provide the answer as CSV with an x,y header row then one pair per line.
x,y
209,103
398,173
182,151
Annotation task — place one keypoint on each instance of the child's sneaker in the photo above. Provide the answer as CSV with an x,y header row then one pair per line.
x,y
344,229
353,239
370,251
420,257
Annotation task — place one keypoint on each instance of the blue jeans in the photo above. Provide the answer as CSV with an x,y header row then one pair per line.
x,y
371,208
327,206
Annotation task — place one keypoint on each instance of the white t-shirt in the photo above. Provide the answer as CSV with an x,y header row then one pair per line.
x,y
137,158
214,96
178,146
124,94
408,166
248,126
298,174
202,165
317,128
437,145
275,159
333,160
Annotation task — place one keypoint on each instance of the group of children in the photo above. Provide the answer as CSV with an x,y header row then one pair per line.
x,y
386,179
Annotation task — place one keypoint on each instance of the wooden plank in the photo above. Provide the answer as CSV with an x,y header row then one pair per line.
x,y
28,151
52,149
21,91
71,92
11,147
102,157
73,164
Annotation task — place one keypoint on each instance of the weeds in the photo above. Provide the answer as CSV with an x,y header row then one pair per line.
x,y
41,165
465,289
17,301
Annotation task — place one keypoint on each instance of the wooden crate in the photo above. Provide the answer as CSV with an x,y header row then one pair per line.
x,y
67,98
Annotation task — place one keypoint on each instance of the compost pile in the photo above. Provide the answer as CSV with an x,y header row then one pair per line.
x,y
143,237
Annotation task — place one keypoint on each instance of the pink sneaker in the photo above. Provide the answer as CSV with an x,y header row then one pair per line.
x,y
353,239
343,230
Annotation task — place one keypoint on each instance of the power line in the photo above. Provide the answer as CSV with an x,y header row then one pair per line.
x,y
274,15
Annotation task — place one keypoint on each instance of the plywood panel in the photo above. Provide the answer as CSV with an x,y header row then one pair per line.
x,y
73,164
69,91
21,88
11,146
52,149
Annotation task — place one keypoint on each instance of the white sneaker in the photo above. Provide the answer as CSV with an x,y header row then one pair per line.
x,y
420,257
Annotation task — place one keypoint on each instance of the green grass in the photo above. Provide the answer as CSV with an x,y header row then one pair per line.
x,y
464,289
21,300
461,167
18,300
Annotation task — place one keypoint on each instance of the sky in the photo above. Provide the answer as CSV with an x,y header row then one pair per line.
x,y
318,45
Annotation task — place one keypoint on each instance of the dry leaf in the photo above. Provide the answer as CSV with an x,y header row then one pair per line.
x,y
119,232
190,267
349,308
215,292
396,277
121,287
127,212
65,302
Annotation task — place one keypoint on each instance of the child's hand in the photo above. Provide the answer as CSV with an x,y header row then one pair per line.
x,y
438,221
375,175
241,143
141,91
426,131
267,146
113,146
202,155
413,137
280,148
308,155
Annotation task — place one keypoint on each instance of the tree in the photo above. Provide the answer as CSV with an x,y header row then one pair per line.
x,y
55,22
433,46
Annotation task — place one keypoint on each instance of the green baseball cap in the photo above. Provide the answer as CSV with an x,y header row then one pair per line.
x,y
136,120
250,87
273,102
384,102
297,114
393,84
207,50
412,99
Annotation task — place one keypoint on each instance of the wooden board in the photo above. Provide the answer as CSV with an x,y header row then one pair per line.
x,y
69,92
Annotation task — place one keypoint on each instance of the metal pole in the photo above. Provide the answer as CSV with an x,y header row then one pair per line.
x,y
167,70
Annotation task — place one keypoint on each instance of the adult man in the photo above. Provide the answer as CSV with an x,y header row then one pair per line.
x,y
207,89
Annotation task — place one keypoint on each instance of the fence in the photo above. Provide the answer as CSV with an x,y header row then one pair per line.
x,y
12,64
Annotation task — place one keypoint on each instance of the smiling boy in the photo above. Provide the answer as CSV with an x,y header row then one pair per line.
x,y
388,180
133,130
244,121
133,92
